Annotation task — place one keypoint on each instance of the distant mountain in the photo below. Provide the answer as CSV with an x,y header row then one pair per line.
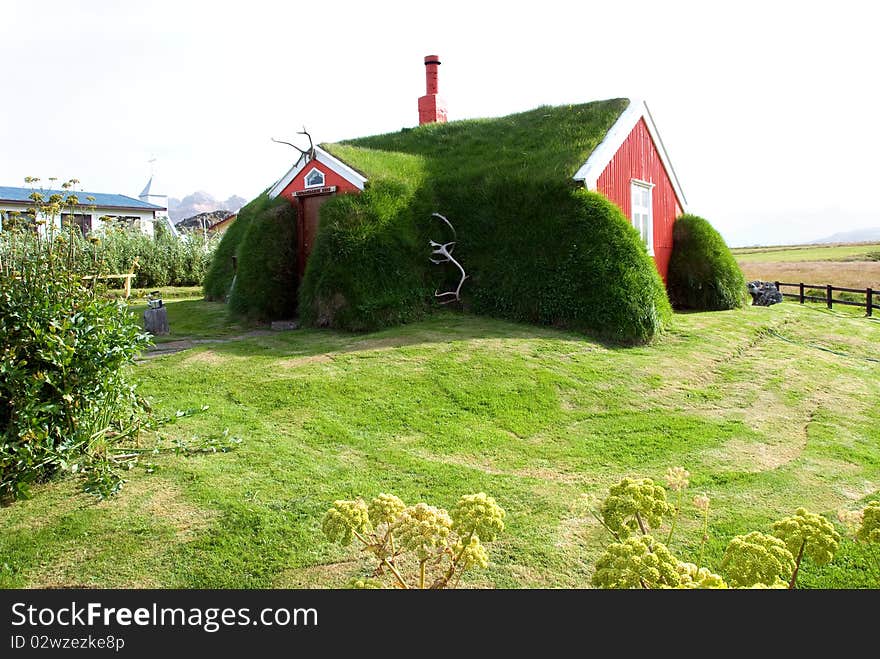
x,y
854,236
203,220
201,202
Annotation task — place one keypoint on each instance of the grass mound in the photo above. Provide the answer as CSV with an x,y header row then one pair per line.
x,y
367,268
580,264
266,283
219,276
703,274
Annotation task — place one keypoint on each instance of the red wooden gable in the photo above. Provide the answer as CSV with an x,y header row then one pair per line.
x,y
331,179
638,158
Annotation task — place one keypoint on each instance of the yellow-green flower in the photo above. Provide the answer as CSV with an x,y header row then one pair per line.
x,y
423,529
344,519
809,531
385,508
478,514
677,478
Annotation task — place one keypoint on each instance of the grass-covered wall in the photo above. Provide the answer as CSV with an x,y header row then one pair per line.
x,y
218,279
367,268
535,248
703,275
263,237
266,283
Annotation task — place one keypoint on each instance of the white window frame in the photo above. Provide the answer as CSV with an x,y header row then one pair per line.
x,y
645,213
315,185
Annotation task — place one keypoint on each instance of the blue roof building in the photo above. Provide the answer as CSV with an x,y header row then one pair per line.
x,y
101,199
91,207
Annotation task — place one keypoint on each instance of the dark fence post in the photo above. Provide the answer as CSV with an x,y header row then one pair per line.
x,y
234,265
829,295
869,300
802,292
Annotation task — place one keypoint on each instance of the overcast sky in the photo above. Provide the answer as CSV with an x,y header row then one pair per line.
x,y
768,109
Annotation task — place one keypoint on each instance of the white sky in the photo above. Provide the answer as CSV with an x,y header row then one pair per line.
x,y
768,109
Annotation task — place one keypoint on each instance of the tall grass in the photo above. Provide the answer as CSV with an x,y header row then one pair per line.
x,y
162,260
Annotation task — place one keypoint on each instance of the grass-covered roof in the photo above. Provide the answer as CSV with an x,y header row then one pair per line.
x,y
544,143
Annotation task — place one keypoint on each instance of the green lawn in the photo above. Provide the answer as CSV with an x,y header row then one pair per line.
x,y
769,409
795,253
193,318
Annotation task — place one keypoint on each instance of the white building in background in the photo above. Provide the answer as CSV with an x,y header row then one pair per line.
x,y
87,215
150,195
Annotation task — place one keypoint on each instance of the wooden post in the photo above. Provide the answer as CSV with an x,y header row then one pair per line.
x,y
802,292
869,301
234,265
829,293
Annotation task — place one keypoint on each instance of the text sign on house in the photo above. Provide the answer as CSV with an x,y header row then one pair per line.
x,y
313,191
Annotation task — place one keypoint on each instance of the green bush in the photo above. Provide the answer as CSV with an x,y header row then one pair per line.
x,y
66,403
703,275
162,260
266,283
368,266
218,279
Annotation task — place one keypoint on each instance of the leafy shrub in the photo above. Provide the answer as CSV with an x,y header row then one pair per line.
x,y
218,279
162,260
67,404
420,546
266,283
703,275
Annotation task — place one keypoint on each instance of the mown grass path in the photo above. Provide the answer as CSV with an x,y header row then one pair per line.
x,y
769,409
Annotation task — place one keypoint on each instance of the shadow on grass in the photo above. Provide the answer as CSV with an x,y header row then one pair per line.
x,y
443,326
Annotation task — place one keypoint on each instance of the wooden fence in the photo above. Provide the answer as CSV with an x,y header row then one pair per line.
x,y
869,304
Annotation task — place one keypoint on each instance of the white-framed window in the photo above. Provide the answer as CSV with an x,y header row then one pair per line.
x,y
641,193
315,178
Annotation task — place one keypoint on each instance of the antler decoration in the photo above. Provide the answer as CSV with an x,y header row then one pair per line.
x,y
444,250
311,150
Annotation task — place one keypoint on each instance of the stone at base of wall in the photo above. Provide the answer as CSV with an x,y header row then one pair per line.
x,y
284,325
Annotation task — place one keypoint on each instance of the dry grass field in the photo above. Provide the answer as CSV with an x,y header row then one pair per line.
x,y
856,266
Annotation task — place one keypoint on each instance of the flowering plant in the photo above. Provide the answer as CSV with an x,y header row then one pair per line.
x,y
419,546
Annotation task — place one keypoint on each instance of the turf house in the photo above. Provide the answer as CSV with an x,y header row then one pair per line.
x,y
559,215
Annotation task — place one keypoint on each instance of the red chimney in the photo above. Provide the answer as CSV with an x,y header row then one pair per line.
x,y
432,108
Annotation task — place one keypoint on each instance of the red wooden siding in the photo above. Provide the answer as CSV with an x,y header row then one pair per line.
x,y
638,158
330,178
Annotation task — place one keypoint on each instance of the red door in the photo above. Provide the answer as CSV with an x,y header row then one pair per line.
x,y
309,226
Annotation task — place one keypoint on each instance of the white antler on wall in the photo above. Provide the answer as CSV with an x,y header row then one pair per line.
x,y
444,250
